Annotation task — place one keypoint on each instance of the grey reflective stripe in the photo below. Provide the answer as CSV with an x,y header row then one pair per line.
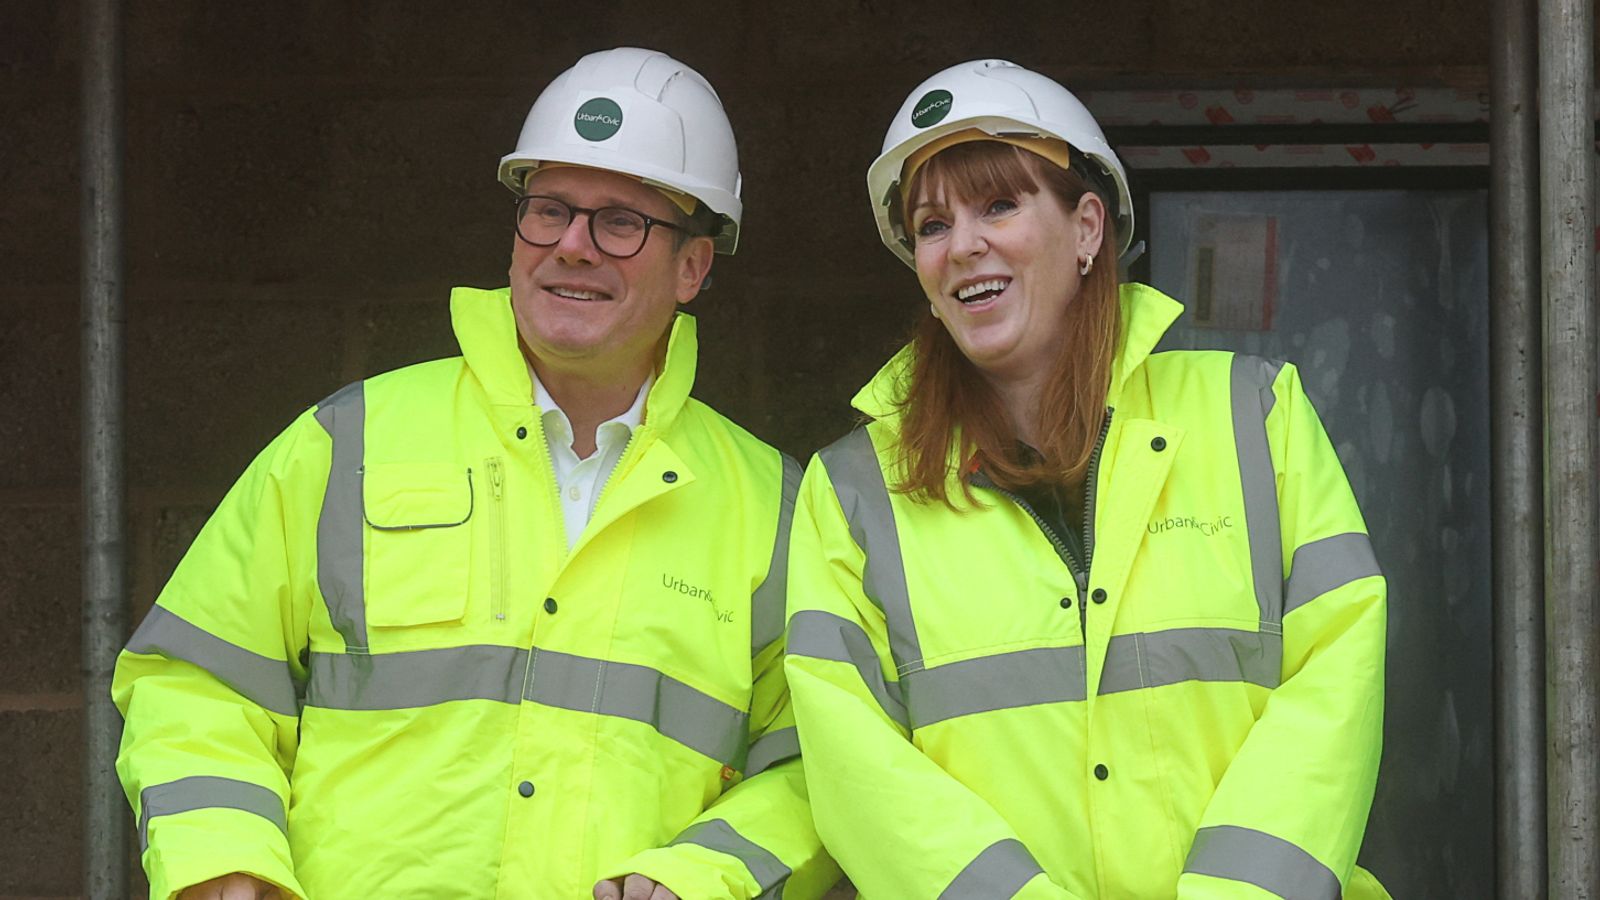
x,y
823,635
264,681
772,748
339,528
207,792
1321,566
693,719
1056,674
766,604
1001,870
1268,862
852,466
715,834
989,683
419,678
1157,658
1251,387
416,678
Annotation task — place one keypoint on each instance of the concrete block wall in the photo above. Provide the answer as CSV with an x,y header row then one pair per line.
x,y
305,181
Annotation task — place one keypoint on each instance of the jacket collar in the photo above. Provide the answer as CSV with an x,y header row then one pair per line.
x,y
1146,315
487,331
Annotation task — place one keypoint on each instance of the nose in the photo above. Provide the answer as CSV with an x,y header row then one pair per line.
x,y
576,246
967,238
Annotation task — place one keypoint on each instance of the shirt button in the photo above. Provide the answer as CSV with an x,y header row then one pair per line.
x,y
525,789
1158,444
575,492
1099,595
1100,772
521,432
550,605
1066,602
669,476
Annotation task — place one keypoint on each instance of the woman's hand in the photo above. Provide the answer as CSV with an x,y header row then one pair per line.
x,y
636,887
237,886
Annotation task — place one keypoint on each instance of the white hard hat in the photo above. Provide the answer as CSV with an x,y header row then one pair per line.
x,y
1000,98
642,113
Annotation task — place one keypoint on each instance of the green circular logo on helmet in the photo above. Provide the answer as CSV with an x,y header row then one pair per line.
x,y
598,119
931,109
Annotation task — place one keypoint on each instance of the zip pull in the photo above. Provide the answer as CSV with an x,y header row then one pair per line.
x,y
497,556
1082,580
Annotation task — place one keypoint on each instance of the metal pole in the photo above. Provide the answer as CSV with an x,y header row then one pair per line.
x,y
105,602
1518,518
1572,578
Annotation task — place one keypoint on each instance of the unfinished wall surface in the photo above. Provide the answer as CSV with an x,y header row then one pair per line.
x,y
306,180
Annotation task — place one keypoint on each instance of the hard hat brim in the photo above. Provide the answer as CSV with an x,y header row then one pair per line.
x,y
883,176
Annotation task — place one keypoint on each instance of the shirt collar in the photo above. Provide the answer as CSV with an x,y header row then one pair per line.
x,y
557,423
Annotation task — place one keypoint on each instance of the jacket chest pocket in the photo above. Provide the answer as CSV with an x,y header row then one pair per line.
x,y
418,558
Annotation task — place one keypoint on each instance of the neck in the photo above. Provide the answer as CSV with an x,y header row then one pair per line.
x,y
1020,397
589,398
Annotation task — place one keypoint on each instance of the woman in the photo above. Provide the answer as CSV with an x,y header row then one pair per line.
x,y
1070,618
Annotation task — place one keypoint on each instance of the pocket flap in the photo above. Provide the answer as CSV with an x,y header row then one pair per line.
x,y
416,495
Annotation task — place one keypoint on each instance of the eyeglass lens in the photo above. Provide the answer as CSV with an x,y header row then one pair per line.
x,y
615,230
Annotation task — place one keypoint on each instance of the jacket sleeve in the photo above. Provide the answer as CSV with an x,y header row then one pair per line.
x,y
899,824
210,683
756,840
1287,818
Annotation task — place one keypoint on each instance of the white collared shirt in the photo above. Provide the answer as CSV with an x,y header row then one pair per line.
x,y
579,481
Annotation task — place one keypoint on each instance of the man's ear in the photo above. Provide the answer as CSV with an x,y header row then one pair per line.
x,y
1091,214
694,265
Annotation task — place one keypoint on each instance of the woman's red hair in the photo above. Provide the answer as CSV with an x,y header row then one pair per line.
x,y
950,415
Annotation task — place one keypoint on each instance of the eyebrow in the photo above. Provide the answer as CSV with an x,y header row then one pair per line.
x,y
566,197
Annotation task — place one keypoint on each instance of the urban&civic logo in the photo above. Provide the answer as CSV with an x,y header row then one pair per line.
x,y
1207,527
931,109
598,119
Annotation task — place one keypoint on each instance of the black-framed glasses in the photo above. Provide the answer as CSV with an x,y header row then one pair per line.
x,y
617,231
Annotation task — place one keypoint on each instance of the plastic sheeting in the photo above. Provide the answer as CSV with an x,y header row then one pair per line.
x,y
1381,299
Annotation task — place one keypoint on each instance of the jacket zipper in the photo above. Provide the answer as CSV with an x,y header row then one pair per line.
x,y
1080,578
497,558
555,491
1055,541
1089,495
1089,490
612,475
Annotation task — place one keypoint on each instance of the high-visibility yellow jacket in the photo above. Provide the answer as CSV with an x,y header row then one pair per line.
x,y
379,672
1213,731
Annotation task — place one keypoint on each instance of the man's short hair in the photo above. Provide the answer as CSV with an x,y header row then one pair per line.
x,y
700,223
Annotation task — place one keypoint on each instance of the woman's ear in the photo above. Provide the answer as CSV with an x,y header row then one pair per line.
x,y
1091,213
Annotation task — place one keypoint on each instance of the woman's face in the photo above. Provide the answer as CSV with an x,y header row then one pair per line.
x,y
1001,270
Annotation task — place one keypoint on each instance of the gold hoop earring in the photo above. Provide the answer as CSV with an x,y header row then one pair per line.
x,y
1087,265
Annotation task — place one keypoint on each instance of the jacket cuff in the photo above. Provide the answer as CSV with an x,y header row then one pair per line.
x,y
689,871
194,847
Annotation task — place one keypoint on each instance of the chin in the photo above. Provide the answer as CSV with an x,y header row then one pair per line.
x,y
571,338
987,352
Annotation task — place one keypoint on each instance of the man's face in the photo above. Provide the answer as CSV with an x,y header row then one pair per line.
x,y
581,311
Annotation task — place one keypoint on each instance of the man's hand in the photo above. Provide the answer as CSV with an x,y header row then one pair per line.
x,y
237,886
637,887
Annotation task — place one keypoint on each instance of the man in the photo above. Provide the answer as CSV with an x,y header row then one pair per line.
x,y
508,624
